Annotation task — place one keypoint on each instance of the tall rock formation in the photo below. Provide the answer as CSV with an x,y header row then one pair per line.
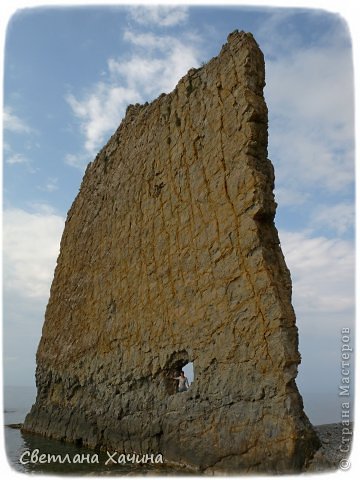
x,y
170,255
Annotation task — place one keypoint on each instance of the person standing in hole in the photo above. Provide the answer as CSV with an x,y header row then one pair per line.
x,y
183,382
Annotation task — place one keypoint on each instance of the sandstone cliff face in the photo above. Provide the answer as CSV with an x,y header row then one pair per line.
x,y
170,255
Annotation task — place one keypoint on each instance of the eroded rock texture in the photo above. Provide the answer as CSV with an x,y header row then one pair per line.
x,y
170,255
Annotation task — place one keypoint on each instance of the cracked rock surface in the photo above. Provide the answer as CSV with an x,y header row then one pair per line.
x,y
170,255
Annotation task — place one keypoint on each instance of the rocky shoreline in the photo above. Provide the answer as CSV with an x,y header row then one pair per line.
x,y
329,456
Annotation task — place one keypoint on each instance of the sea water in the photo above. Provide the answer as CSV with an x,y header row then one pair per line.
x,y
17,403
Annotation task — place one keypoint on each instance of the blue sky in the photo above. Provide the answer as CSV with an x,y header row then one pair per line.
x,y
69,75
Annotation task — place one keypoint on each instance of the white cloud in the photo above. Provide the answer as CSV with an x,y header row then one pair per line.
x,y
19,159
339,218
39,208
290,197
23,319
322,271
316,85
323,276
270,33
13,123
147,40
159,15
101,111
155,65
31,245
79,160
50,186
310,95
16,159
159,64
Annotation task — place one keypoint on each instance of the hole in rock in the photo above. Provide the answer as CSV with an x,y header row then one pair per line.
x,y
178,362
189,372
